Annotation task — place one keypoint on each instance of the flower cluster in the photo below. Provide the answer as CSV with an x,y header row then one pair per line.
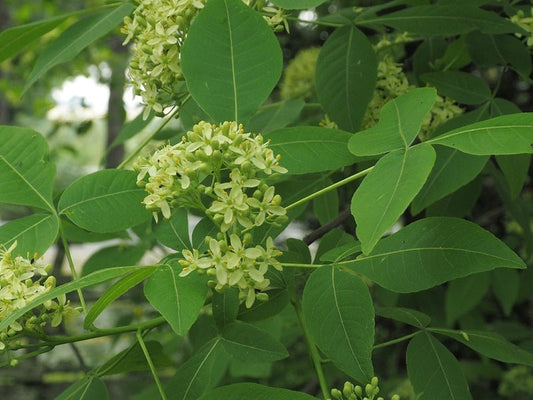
x,y
526,23
221,171
158,29
21,282
391,83
351,392
299,76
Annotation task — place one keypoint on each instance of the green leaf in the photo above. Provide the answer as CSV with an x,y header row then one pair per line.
x,y
75,38
114,292
240,391
335,298
26,177
275,116
225,306
507,134
226,71
326,206
104,201
177,298
449,19
250,344
405,315
308,149
297,4
34,234
277,301
174,232
515,169
463,294
133,359
488,50
387,191
463,87
452,170
434,372
88,388
506,286
399,123
431,251
89,280
346,73
114,256
199,373
455,57
205,227
458,204
337,239
490,344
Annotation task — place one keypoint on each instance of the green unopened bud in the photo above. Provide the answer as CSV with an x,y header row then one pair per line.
x,y
336,394
369,389
247,239
347,389
261,296
374,382
276,200
50,282
395,397
358,390
14,362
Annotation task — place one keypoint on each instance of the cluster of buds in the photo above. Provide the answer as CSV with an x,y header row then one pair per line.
x,y
158,29
356,392
221,171
526,23
21,282
299,76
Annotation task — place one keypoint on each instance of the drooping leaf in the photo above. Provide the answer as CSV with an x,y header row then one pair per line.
x,y
227,73
346,73
507,134
297,4
434,371
177,298
225,306
34,234
88,388
506,286
308,149
387,191
75,38
490,344
133,359
461,86
431,251
199,373
104,201
89,280
275,116
405,315
399,123
113,256
239,391
463,294
446,20
452,170
335,298
174,232
26,177
250,344
114,292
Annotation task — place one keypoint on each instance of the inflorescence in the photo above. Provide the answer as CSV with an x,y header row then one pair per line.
x,y
21,282
356,392
221,171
